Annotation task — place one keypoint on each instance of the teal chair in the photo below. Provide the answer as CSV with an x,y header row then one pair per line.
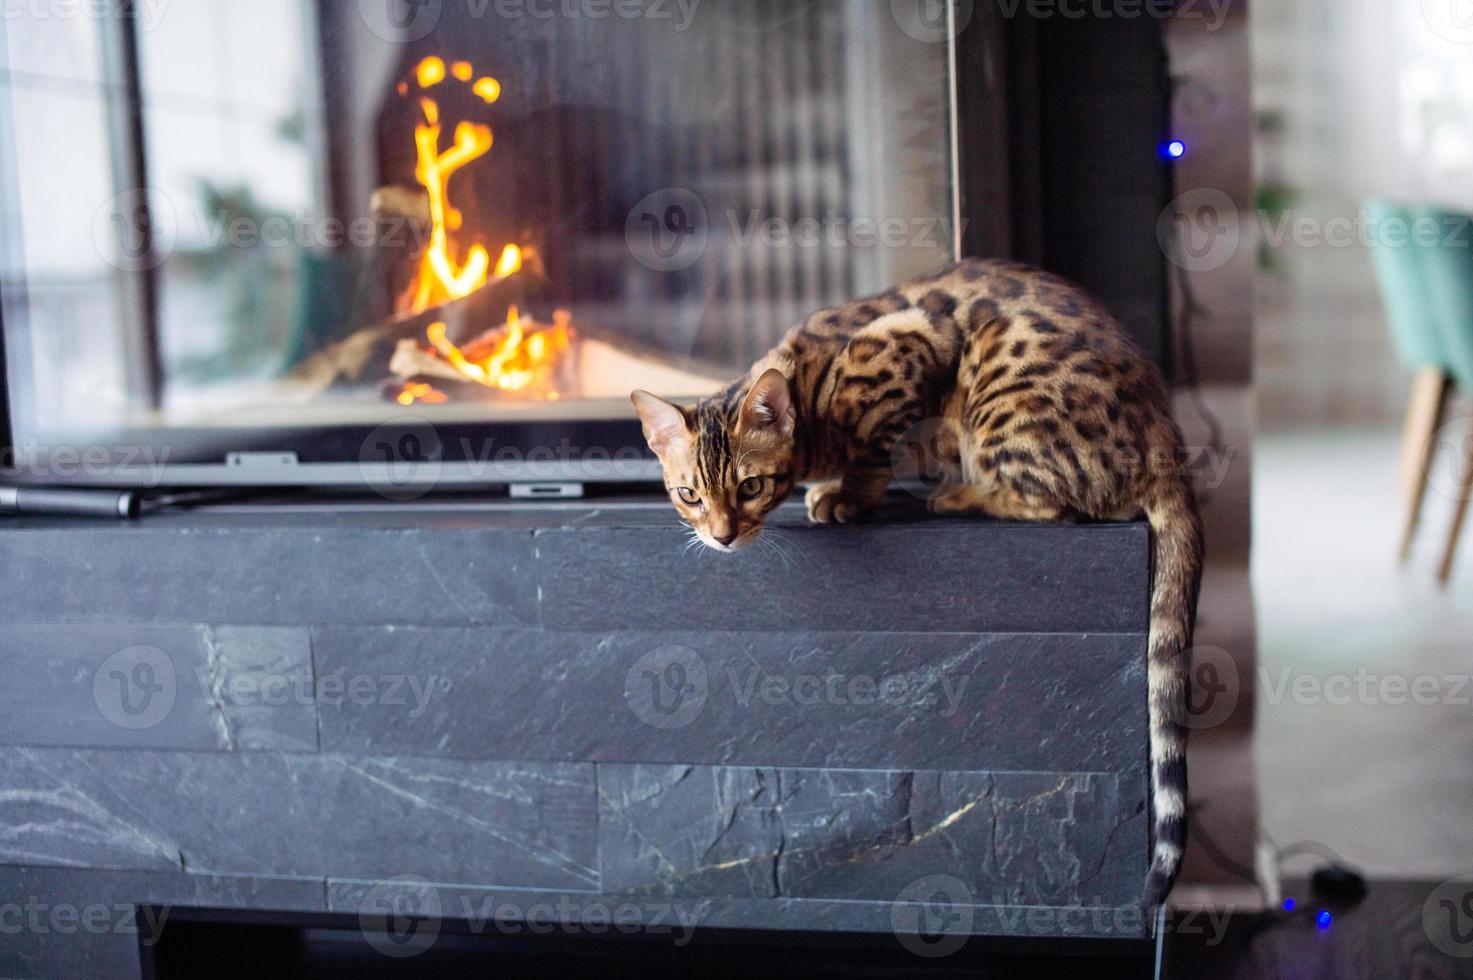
x,y
1448,267
1400,261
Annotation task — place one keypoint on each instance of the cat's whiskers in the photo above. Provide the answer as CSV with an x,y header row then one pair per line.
x,y
784,543
776,545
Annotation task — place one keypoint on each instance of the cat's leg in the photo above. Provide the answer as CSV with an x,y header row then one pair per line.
x,y
997,501
848,499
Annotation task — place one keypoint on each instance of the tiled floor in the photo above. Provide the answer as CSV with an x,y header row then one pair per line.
x,y
1352,759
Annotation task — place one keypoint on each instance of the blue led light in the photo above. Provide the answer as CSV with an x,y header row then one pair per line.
x,y
1288,905
1323,919
1174,150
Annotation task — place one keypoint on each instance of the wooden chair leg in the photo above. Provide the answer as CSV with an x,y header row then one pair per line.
x,y
1460,514
1425,410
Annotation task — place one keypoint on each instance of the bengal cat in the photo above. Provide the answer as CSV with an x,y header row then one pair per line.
x,y
1028,398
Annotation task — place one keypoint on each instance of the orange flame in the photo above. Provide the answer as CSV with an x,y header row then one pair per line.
x,y
418,391
517,355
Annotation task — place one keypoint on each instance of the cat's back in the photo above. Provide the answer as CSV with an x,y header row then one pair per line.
x,y
1039,314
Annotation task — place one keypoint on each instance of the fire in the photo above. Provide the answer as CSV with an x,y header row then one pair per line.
x,y
511,360
418,391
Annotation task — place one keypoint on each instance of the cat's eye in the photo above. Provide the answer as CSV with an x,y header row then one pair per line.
x,y
751,487
688,496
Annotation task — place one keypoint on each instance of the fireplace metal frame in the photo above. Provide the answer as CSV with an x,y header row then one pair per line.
x,y
1003,134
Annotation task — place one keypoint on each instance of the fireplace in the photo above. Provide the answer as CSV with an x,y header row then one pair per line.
x,y
255,236
384,241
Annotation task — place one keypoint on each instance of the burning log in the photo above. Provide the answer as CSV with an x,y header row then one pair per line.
x,y
455,290
400,202
351,360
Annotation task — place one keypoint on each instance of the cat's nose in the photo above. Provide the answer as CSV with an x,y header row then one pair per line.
x,y
725,539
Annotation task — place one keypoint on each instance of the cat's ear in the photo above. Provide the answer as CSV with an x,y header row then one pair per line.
x,y
664,423
769,405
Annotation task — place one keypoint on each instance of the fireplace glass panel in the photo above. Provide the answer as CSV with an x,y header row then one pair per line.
x,y
502,213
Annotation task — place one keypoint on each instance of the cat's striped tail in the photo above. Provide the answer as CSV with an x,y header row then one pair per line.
x,y
1176,533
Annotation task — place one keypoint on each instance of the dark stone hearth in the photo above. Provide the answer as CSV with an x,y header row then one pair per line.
x,y
1022,701
1012,838
600,568
539,705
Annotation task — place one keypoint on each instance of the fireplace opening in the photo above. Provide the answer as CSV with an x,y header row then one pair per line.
x,y
277,230
306,243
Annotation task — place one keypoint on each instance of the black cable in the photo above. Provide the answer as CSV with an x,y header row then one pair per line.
x,y
1218,856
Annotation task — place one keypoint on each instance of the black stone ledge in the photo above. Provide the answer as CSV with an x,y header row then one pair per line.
x,y
513,913
1017,701
69,922
581,568
530,825
66,923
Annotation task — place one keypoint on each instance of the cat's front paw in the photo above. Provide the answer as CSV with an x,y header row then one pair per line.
x,y
828,505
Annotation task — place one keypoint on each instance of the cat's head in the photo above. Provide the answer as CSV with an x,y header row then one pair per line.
x,y
727,462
